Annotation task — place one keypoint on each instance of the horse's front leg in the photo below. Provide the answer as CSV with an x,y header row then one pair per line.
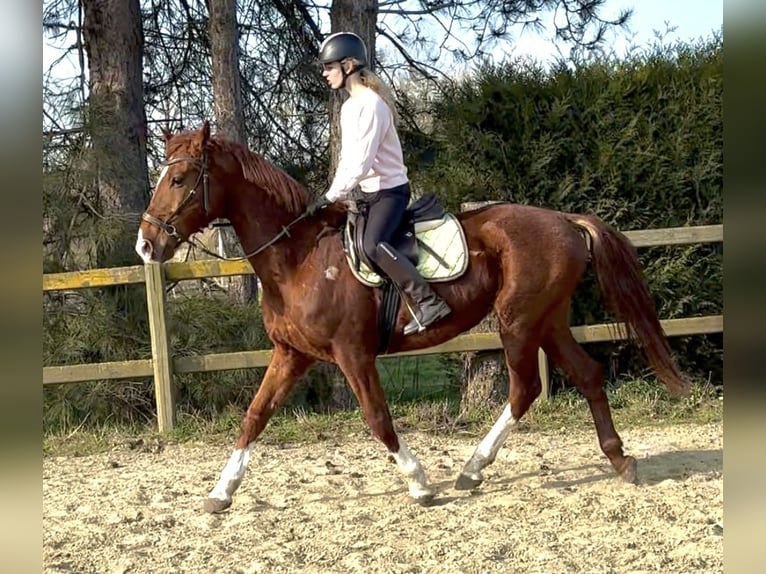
x,y
362,376
285,368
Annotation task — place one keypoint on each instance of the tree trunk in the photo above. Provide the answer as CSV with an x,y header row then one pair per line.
x,y
485,376
227,87
229,117
359,17
114,43
485,380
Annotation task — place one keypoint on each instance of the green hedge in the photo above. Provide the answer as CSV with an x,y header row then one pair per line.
x,y
637,142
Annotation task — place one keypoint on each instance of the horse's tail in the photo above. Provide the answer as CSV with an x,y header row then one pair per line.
x,y
622,284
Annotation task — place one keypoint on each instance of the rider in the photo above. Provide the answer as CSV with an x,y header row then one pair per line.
x,y
371,157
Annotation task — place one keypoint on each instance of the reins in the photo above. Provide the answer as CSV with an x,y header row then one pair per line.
x,y
284,233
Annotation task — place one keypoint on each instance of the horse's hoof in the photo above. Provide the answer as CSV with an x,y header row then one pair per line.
x,y
629,473
425,500
465,482
216,505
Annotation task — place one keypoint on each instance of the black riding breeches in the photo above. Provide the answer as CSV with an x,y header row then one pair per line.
x,y
383,217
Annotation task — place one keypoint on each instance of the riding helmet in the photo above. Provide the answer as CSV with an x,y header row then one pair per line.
x,y
342,45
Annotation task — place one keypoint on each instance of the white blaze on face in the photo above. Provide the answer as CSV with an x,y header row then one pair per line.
x,y
163,173
145,255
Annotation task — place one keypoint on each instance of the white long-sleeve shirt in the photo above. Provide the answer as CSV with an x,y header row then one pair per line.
x,y
371,154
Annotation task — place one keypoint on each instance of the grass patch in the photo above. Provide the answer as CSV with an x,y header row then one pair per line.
x,y
419,378
634,403
85,440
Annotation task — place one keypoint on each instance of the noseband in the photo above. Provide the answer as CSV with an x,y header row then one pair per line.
x,y
166,225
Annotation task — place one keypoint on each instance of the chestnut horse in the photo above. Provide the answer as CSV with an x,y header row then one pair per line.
x,y
525,263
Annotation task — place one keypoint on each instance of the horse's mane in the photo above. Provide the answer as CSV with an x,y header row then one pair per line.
x,y
282,188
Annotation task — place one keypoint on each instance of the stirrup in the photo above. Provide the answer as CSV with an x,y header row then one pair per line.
x,y
416,325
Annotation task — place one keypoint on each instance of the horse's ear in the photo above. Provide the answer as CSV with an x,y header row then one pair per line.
x,y
167,134
203,135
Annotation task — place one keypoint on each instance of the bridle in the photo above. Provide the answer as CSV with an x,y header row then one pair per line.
x,y
203,177
166,225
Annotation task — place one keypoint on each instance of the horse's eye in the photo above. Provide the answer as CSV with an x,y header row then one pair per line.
x,y
177,180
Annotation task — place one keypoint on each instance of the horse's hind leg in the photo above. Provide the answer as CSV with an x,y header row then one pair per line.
x,y
587,375
285,368
521,360
362,376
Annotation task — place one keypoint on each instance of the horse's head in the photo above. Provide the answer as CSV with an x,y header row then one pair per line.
x,y
183,201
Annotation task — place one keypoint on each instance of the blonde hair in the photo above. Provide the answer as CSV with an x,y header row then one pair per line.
x,y
369,79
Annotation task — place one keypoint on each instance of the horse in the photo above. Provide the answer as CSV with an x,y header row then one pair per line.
x,y
524,263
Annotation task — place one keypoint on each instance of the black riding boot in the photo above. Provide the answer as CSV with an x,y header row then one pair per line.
x,y
429,307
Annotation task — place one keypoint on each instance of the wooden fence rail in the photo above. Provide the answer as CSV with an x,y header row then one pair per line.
x,y
162,365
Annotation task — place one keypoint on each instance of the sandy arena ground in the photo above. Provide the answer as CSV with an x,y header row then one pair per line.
x,y
550,504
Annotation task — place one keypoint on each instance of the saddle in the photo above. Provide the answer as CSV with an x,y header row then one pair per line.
x,y
429,236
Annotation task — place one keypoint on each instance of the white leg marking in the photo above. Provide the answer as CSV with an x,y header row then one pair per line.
x,y
232,474
487,450
410,466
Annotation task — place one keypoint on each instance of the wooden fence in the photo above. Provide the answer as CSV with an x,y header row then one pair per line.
x,y
162,365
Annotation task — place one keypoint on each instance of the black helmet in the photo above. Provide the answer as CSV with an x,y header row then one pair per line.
x,y
342,45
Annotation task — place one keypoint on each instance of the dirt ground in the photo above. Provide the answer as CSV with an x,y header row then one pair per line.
x,y
550,504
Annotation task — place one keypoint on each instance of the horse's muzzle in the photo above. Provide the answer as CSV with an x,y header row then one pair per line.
x,y
147,250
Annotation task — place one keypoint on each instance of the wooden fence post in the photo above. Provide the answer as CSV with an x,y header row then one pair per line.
x,y
161,360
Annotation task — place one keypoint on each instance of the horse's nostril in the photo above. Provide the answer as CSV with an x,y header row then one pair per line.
x,y
146,250
143,247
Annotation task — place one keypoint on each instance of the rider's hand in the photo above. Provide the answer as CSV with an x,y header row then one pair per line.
x,y
316,206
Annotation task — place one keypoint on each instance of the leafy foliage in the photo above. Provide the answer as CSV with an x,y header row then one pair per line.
x,y
637,142
626,140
